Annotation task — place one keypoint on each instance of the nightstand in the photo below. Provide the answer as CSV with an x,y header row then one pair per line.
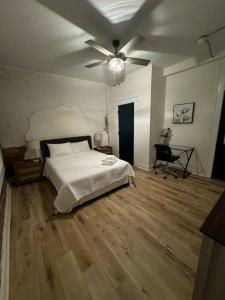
x,y
104,149
27,171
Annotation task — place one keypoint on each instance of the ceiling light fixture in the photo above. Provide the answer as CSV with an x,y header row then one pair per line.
x,y
118,59
116,65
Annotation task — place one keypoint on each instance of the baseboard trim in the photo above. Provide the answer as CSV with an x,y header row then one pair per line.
x,y
141,166
4,288
192,172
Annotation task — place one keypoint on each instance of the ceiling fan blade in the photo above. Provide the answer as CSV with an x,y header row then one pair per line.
x,y
137,61
131,43
98,47
102,62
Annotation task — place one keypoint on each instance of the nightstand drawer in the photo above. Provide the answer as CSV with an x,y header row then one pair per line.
x,y
30,170
29,178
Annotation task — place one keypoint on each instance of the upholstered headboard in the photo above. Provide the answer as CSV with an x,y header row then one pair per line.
x,y
44,147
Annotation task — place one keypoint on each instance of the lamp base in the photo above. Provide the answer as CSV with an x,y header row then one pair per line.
x,y
35,159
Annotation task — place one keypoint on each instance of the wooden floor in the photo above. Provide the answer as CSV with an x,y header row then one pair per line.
x,y
135,243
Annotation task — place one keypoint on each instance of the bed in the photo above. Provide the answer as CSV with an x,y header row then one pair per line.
x,y
80,177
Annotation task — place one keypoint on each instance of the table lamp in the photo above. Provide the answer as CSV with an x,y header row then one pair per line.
x,y
33,146
98,139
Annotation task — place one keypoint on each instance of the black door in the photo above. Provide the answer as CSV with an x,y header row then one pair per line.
x,y
126,132
219,160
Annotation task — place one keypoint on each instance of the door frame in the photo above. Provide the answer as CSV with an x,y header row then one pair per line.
x,y
138,104
217,115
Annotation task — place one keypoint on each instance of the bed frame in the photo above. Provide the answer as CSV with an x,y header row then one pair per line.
x,y
44,147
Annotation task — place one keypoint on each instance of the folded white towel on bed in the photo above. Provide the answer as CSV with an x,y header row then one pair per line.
x,y
108,163
109,160
110,157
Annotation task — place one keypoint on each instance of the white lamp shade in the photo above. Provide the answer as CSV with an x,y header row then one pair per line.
x,y
33,145
98,137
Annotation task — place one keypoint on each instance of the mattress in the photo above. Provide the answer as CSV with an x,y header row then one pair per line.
x,y
80,177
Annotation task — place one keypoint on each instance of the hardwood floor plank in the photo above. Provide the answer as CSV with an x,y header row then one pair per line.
x,y
108,262
133,243
72,279
137,246
98,284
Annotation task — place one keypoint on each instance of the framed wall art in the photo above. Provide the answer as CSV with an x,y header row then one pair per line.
x,y
183,113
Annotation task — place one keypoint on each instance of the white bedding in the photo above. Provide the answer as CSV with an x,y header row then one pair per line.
x,y
79,175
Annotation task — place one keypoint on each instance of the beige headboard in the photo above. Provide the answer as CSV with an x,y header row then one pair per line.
x,y
58,122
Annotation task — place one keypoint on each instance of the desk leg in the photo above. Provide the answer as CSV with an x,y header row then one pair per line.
x,y
185,174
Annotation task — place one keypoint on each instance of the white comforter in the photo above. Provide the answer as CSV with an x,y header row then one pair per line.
x,y
80,174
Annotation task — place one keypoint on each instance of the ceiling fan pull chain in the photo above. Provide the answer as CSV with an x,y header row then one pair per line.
x,y
114,79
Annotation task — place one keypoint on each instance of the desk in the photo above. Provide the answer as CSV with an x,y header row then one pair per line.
x,y
183,151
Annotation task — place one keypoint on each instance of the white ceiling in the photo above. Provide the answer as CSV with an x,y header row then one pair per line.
x,y
49,35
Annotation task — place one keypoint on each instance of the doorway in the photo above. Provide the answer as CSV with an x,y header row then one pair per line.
x,y
219,159
126,132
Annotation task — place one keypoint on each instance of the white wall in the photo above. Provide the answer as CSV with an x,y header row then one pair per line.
x,y
157,110
22,93
199,84
136,87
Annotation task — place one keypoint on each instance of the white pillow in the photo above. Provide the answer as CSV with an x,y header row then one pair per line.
x,y
59,149
80,147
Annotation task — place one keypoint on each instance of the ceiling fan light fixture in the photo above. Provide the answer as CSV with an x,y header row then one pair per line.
x,y
116,65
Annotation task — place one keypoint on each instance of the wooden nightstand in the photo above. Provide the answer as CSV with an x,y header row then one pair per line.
x,y
27,171
104,149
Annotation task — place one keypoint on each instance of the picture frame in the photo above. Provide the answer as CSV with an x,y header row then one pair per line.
x,y
183,113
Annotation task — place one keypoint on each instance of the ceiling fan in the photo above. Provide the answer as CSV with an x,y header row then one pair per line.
x,y
117,59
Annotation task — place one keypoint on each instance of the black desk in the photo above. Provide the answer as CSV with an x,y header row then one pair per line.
x,y
183,151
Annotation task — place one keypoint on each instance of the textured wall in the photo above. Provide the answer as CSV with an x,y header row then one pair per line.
x,y
22,93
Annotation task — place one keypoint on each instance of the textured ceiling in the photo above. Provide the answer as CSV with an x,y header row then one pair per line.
x,y
117,11
49,35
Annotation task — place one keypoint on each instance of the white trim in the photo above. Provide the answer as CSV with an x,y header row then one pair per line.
x,y
142,166
132,99
198,174
192,172
4,288
190,63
